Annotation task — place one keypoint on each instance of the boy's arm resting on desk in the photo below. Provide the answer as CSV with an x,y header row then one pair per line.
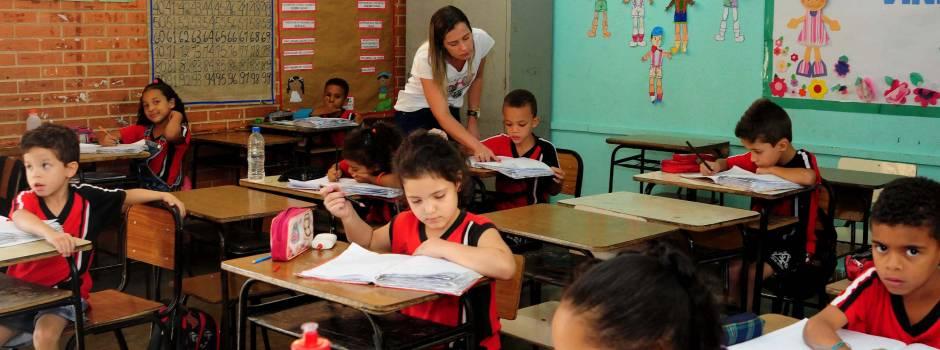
x,y
820,331
29,222
388,180
138,196
491,257
801,176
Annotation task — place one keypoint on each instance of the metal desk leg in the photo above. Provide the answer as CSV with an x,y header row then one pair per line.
x,y
613,163
759,262
77,303
642,164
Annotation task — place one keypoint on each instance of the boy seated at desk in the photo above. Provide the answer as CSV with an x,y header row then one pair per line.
x,y
899,297
520,116
50,156
791,252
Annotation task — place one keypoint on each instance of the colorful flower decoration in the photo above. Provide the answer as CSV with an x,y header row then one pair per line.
x,y
897,93
842,67
840,89
803,91
865,89
817,89
793,81
778,87
782,66
926,97
778,42
794,57
777,51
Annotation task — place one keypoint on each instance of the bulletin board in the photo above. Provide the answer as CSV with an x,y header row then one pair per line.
x,y
353,40
214,51
875,56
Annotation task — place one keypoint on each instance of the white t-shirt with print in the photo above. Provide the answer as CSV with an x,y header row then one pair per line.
x,y
458,82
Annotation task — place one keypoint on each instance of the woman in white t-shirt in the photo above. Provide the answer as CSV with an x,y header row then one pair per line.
x,y
445,68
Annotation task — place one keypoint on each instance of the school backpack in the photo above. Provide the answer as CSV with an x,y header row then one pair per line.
x,y
291,233
197,330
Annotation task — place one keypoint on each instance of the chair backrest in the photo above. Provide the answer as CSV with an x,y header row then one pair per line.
x,y
12,181
152,235
877,166
571,163
509,291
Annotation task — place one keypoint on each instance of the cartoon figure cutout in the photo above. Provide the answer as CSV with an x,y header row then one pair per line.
x,y
732,7
638,13
600,6
295,89
655,55
813,35
682,24
385,101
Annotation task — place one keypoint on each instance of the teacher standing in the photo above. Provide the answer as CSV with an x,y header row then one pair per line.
x,y
445,68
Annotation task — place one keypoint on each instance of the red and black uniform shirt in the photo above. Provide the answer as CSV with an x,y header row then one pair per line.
x,y
519,193
379,209
406,233
804,206
167,162
871,309
88,210
340,136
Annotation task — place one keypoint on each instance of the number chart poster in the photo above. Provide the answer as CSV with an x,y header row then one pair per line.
x,y
866,56
214,51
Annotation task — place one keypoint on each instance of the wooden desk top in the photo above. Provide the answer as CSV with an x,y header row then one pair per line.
x,y
667,143
855,178
687,215
270,184
574,228
18,295
301,129
107,157
233,203
240,139
368,298
773,322
34,251
482,173
661,178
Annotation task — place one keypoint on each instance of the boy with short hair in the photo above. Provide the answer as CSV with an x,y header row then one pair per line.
x,y
50,156
765,131
520,116
899,297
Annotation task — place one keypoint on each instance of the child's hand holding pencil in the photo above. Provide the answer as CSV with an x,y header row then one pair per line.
x,y
107,139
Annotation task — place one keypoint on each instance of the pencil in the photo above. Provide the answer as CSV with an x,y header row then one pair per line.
x,y
691,148
353,201
105,131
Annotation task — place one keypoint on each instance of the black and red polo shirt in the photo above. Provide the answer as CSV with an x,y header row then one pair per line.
x,y
871,309
406,233
167,162
88,210
522,192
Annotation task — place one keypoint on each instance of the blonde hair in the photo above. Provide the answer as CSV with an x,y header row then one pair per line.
x,y
443,21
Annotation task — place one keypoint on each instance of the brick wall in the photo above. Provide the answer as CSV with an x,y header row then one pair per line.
x,y
84,63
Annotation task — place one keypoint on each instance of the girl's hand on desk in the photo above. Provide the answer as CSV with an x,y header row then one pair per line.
x,y
108,140
63,242
433,247
335,202
172,201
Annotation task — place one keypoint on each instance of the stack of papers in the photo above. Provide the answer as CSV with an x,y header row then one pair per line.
x,y
349,186
10,235
516,168
360,266
136,147
324,123
748,181
791,338
88,148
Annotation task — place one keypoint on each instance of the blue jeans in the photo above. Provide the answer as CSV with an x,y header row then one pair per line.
x,y
420,119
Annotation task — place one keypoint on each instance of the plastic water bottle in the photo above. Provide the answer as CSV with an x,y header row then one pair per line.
x,y
255,155
311,339
33,121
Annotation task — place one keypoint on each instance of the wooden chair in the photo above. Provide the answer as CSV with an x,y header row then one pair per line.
x,y
348,328
570,162
153,235
12,181
851,207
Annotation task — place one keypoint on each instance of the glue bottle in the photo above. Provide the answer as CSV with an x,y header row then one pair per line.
x,y
311,339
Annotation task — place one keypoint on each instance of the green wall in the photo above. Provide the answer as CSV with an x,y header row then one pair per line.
x,y
600,89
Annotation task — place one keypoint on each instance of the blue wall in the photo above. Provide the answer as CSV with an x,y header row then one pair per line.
x,y
600,89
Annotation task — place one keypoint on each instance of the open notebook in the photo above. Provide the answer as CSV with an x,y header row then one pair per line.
x,y
10,235
414,272
746,180
516,168
349,186
791,338
136,147
319,123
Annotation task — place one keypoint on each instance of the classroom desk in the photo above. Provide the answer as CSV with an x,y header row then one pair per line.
x,y
226,205
663,143
853,192
85,158
765,200
686,215
482,173
270,184
369,299
774,322
307,133
19,297
567,227
237,140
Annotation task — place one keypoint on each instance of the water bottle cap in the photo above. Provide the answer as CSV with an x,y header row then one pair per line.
x,y
255,129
